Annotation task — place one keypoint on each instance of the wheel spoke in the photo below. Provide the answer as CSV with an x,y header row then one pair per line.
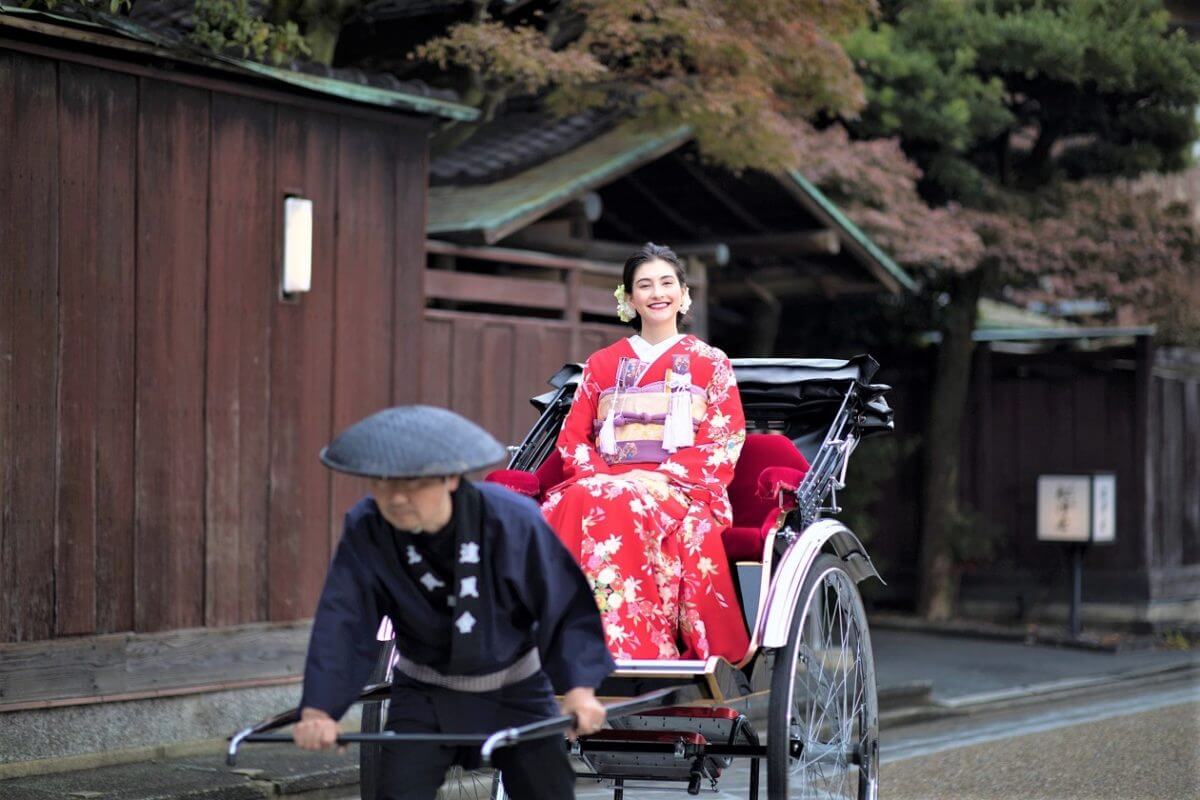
x,y
464,784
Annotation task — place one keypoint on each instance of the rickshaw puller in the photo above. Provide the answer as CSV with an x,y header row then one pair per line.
x,y
492,616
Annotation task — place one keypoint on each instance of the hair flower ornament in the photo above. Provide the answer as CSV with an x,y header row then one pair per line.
x,y
625,312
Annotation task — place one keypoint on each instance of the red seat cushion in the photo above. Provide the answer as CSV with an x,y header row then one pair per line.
x,y
746,543
518,480
760,452
531,484
742,544
779,484
550,473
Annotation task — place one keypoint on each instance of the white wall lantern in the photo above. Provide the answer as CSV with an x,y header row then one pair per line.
x,y
297,245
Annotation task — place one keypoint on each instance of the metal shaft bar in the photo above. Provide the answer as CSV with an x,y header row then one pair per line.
x,y
548,727
383,737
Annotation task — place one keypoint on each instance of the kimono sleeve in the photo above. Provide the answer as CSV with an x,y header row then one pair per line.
x,y
569,632
576,441
342,649
705,469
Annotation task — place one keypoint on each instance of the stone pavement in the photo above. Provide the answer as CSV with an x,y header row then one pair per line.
x,y
921,671
962,668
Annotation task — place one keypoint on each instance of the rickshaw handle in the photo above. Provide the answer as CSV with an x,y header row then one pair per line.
x,y
504,738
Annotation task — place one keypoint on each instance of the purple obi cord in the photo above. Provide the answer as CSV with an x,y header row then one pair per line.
x,y
658,387
639,452
634,418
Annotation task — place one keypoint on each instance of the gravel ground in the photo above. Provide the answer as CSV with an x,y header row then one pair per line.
x,y
1154,755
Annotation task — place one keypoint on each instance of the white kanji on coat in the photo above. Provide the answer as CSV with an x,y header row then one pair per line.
x,y
431,581
469,589
468,553
413,556
465,623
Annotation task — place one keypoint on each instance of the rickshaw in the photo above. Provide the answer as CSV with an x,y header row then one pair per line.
x,y
807,682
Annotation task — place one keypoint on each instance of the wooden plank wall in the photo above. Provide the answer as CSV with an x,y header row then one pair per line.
x,y
161,407
301,365
486,367
29,321
95,495
1053,413
169,390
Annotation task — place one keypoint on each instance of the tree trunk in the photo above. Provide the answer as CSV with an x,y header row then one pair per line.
x,y
938,578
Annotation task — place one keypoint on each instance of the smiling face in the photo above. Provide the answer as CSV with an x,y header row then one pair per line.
x,y
415,504
657,294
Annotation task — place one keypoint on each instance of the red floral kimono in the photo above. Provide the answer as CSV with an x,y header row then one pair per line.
x,y
652,550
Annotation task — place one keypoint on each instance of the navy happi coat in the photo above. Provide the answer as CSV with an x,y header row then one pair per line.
x,y
470,599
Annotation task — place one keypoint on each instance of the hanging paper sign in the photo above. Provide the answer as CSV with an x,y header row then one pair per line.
x,y
1104,508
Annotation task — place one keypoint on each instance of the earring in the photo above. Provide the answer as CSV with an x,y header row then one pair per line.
x,y
686,304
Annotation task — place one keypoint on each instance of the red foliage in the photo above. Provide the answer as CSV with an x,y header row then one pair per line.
x,y
1100,240
1112,241
876,185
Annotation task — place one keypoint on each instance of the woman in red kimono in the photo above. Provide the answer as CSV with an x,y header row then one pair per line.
x,y
648,450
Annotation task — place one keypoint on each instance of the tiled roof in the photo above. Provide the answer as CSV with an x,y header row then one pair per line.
x,y
172,20
494,209
166,24
514,143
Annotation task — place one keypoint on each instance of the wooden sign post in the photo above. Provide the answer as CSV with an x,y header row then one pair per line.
x,y
1077,510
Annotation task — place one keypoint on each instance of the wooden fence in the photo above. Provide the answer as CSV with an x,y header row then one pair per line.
x,y
487,364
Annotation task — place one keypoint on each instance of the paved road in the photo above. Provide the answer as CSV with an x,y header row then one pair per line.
x,y
966,668
1132,742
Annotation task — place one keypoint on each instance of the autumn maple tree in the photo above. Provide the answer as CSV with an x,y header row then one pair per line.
x,y
739,73
997,155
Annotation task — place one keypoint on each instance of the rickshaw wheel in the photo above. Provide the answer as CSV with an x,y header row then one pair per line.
x,y
823,725
481,784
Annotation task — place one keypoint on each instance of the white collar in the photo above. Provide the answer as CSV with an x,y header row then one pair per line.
x,y
649,353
